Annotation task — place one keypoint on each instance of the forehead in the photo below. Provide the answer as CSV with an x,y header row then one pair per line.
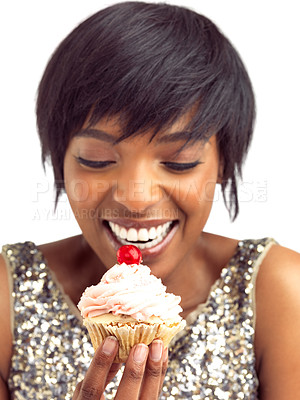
x,y
113,129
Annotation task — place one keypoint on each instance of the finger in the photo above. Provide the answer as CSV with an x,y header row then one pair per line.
x,y
93,385
153,372
133,373
164,368
112,372
77,391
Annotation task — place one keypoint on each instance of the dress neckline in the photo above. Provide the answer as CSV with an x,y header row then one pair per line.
x,y
72,306
245,244
193,315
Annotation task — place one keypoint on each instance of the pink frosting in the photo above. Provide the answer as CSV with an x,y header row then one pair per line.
x,y
129,290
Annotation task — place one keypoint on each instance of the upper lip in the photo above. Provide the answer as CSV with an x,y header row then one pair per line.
x,y
129,223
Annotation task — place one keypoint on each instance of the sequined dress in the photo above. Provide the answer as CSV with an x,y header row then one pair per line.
x,y
212,359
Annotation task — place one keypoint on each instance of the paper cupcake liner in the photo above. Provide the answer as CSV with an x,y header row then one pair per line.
x,y
130,334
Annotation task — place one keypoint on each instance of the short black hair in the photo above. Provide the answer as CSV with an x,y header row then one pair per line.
x,y
149,64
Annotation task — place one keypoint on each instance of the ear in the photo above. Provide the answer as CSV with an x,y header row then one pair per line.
x,y
220,171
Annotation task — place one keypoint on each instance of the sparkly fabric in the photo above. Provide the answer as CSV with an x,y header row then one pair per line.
x,y
212,359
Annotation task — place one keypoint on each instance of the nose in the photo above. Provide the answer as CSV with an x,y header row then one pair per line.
x,y
137,190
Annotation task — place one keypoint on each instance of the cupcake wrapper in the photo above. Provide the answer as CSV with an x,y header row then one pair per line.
x,y
130,334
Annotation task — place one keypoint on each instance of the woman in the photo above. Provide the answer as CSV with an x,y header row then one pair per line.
x,y
143,109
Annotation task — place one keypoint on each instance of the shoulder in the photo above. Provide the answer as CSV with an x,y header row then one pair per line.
x,y
278,283
279,277
62,256
279,257
5,321
61,249
278,323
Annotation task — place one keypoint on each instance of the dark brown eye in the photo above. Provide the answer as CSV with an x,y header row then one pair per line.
x,y
181,166
94,164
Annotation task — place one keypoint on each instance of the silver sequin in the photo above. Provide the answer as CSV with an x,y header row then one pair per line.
x,y
212,360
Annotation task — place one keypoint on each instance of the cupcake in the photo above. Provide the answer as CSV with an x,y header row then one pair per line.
x,y
131,304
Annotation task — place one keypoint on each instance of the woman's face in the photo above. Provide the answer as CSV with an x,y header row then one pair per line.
x,y
141,192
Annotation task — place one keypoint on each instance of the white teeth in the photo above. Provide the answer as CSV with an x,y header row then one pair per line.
x,y
123,233
164,228
117,229
159,230
132,235
151,236
143,235
152,233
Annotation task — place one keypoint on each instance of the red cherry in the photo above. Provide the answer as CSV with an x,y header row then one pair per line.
x,y
129,254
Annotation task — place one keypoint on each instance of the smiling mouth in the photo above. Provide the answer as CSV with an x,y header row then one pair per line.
x,y
143,238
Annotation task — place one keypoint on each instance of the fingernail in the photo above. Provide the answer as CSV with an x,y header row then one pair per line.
x,y
109,345
165,355
140,353
156,350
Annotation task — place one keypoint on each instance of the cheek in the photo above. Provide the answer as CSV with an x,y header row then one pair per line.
x,y
194,193
84,196
86,191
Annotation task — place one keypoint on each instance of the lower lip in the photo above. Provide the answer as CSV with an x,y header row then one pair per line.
x,y
146,253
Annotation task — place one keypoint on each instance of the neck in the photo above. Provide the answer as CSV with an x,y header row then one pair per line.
x,y
191,280
195,275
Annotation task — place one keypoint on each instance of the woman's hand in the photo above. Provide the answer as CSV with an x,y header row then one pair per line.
x,y
142,378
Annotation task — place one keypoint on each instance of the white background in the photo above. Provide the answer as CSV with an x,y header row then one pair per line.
x,y
266,34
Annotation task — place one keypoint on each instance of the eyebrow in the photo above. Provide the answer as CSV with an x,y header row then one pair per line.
x,y
106,137
96,134
174,137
